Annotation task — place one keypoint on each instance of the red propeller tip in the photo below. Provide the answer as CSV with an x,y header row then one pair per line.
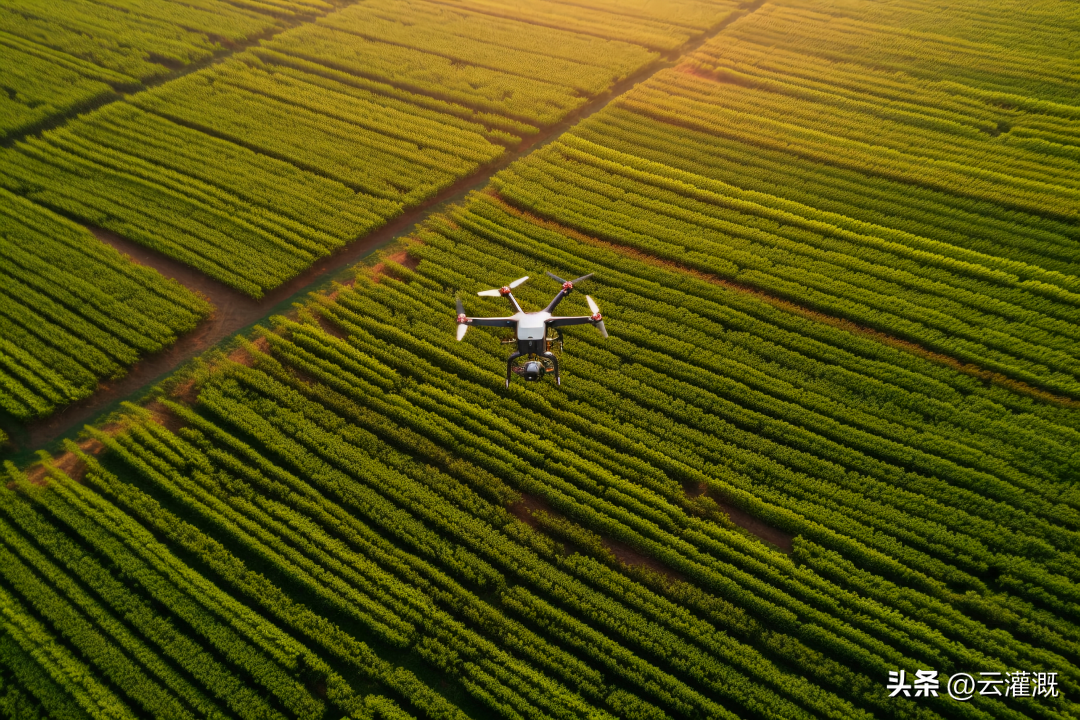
x,y
568,285
504,290
597,317
462,319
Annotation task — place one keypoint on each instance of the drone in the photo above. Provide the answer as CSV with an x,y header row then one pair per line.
x,y
536,333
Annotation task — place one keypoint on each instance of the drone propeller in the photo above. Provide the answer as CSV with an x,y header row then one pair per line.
x,y
504,290
564,283
596,316
462,327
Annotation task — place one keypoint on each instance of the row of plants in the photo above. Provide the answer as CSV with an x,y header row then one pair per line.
x,y
816,144
241,410
540,102
387,155
1053,512
73,311
411,322
146,40
270,191
40,88
999,65
364,482
233,662
583,65
492,125
968,323
620,55
941,142
663,28
971,20
949,225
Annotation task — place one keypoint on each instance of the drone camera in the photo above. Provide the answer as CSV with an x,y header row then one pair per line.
x,y
533,371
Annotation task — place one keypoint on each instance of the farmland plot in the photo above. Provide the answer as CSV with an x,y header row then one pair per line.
x,y
73,311
253,168
842,304
794,163
559,552
60,56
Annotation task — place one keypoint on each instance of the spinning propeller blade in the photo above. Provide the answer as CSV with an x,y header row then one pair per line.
x,y
500,291
559,280
461,330
596,316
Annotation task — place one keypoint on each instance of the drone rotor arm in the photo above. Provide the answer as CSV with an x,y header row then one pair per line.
x,y
492,322
596,319
569,320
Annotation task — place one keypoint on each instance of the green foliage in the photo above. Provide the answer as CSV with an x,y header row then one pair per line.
x,y
74,311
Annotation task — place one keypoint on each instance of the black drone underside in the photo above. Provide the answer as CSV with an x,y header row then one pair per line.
x,y
536,333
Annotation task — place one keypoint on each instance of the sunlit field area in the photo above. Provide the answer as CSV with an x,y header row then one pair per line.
x,y
822,459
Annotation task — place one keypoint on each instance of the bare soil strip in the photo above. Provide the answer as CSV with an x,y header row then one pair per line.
x,y
236,312
987,376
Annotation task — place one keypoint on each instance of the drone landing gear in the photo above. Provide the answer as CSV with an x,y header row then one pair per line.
x,y
554,361
510,364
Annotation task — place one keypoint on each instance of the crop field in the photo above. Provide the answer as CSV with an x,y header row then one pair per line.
x,y
811,175
832,440
358,460
62,56
255,167
73,311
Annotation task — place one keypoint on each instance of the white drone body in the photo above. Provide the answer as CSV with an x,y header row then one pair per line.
x,y
533,330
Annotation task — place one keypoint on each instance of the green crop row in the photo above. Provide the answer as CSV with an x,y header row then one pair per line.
x,y
584,65
367,146
1015,317
522,65
937,448
288,152
971,20
364,483
39,89
957,225
140,39
817,144
533,101
657,27
928,54
74,311
224,649
956,322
